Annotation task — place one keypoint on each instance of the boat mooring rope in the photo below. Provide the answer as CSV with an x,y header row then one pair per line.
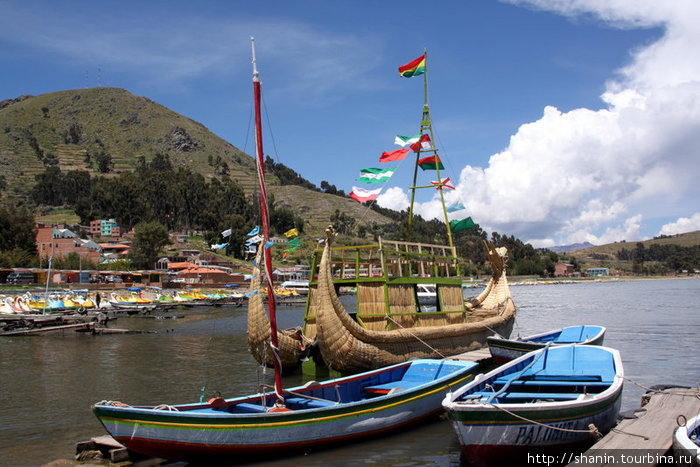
x,y
617,430
417,338
592,429
665,391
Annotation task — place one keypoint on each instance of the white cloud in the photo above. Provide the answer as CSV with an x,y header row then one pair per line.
x,y
628,231
587,175
393,198
682,225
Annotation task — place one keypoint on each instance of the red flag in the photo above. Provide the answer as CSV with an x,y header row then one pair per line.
x,y
394,155
445,183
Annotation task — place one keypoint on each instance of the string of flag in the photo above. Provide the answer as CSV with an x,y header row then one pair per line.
x,y
416,143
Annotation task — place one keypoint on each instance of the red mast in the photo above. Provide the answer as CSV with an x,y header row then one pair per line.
x,y
266,229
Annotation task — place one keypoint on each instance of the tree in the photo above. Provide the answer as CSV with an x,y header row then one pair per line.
x,y
17,238
49,187
149,240
342,222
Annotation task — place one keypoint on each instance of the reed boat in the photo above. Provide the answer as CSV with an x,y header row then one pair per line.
x,y
293,345
503,350
551,400
409,301
389,325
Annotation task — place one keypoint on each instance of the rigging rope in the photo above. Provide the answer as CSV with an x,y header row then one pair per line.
x,y
696,393
417,338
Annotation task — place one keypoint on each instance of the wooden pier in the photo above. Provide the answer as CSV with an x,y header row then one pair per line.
x,y
648,436
481,356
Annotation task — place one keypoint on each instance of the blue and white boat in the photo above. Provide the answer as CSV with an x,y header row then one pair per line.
x,y
547,401
504,350
310,416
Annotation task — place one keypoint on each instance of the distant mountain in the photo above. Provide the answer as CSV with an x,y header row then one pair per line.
x,y
105,131
572,247
610,250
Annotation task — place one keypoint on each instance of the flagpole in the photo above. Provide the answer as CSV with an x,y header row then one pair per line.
x,y
426,111
426,124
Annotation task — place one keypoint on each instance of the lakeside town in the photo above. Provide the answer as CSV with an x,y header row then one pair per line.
x,y
103,242
106,244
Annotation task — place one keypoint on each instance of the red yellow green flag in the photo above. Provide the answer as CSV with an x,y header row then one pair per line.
x,y
414,68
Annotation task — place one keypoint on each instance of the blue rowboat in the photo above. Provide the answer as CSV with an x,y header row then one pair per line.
x,y
551,400
313,415
504,350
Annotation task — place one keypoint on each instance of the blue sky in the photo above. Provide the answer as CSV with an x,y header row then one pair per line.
x,y
558,121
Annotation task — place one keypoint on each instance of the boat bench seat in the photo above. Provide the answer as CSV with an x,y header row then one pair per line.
x,y
571,335
247,407
521,383
539,395
304,403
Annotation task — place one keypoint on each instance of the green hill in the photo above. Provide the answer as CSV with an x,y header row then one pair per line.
x,y
612,249
105,131
608,255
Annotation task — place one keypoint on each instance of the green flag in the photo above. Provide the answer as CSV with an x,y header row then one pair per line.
x,y
464,224
294,242
372,175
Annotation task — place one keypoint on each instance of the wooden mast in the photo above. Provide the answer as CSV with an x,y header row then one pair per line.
x,y
426,126
265,221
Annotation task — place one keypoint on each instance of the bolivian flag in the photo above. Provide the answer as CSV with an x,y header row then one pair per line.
x,y
414,68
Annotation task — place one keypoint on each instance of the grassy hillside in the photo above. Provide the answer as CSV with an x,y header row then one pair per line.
x,y
63,127
74,128
606,255
611,249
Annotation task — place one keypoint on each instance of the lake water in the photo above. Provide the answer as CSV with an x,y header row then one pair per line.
x,y
48,383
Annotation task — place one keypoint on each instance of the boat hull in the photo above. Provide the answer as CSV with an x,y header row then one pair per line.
x,y
195,431
490,437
